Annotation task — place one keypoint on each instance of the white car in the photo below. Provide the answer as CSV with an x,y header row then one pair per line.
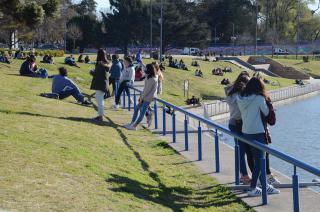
x,y
278,51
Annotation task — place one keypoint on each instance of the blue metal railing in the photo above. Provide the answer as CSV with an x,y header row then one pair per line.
x,y
266,149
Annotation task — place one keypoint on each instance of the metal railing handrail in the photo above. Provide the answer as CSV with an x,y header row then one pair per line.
x,y
262,147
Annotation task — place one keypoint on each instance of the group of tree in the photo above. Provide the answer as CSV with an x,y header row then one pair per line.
x,y
185,22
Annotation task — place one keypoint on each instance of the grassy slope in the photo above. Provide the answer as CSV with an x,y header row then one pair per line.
x,y
52,157
208,87
311,68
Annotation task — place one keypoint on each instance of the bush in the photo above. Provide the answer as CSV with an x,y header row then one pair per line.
x,y
37,52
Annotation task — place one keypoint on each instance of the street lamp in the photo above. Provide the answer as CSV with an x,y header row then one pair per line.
x,y
256,34
161,33
233,37
215,33
298,29
150,27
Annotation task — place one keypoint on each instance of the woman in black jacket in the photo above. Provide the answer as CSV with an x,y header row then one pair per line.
x,y
100,82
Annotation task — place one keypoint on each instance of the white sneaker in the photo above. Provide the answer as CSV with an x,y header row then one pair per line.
x,y
133,128
272,180
255,192
114,106
126,125
272,190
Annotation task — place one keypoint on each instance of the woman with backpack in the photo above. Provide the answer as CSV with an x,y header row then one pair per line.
x,y
147,96
100,82
252,103
235,124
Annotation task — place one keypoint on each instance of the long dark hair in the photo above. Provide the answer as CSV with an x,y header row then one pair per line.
x,y
240,83
150,71
255,86
101,56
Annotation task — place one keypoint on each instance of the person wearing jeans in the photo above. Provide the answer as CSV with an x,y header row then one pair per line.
x,y
147,96
126,80
252,103
65,87
100,82
116,71
235,124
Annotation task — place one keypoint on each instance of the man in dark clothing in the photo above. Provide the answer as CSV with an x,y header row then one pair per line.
x,y
116,70
28,67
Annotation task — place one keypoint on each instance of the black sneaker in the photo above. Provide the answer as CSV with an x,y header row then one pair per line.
x,y
86,102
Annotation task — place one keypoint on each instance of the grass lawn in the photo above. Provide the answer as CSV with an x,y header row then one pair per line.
x,y
208,88
312,67
53,158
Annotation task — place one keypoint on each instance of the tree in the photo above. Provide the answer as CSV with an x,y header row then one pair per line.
x,y
127,23
86,7
24,15
75,33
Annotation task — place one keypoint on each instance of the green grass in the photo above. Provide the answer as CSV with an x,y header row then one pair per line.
x,y
53,158
312,67
207,88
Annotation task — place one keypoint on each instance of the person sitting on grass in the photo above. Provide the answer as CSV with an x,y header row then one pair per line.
x,y
225,81
147,96
65,87
29,68
87,59
70,61
80,59
4,59
47,59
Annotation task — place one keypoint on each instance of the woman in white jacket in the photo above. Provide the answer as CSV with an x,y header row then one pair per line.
x,y
252,103
126,80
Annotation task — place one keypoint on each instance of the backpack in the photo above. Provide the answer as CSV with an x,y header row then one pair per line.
x,y
271,117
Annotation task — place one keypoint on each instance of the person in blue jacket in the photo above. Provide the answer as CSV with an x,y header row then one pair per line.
x,y
65,87
116,71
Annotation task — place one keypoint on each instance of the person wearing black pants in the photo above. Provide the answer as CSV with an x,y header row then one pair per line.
x,y
126,80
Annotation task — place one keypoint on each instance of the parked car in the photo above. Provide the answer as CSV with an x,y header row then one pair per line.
x,y
191,51
278,51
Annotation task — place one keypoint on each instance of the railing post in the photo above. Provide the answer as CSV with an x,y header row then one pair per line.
x,y
174,132
129,101
124,100
164,131
217,151
295,187
237,161
186,134
264,180
199,142
134,98
155,108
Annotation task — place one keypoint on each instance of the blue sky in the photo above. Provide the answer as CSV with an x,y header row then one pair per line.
x,y
102,4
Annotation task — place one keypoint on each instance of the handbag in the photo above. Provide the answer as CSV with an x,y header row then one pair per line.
x,y
271,117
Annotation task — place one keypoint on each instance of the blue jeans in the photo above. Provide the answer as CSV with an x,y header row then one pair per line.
x,y
142,108
244,149
125,85
72,92
257,156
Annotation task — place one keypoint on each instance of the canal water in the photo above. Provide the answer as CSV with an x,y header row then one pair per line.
x,y
297,133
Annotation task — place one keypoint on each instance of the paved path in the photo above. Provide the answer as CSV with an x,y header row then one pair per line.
x,y
309,200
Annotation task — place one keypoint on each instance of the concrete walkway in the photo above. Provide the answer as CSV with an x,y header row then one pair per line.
x,y
282,202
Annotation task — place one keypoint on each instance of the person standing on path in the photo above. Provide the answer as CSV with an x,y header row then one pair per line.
x,y
160,77
147,96
100,82
126,81
252,103
235,124
116,71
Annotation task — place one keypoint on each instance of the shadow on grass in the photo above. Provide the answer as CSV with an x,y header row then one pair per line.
x,y
76,119
173,197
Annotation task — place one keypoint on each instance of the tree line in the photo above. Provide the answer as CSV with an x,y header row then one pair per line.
x,y
196,23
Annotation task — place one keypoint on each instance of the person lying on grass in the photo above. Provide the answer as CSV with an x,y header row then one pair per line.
x,y
147,96
65,87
